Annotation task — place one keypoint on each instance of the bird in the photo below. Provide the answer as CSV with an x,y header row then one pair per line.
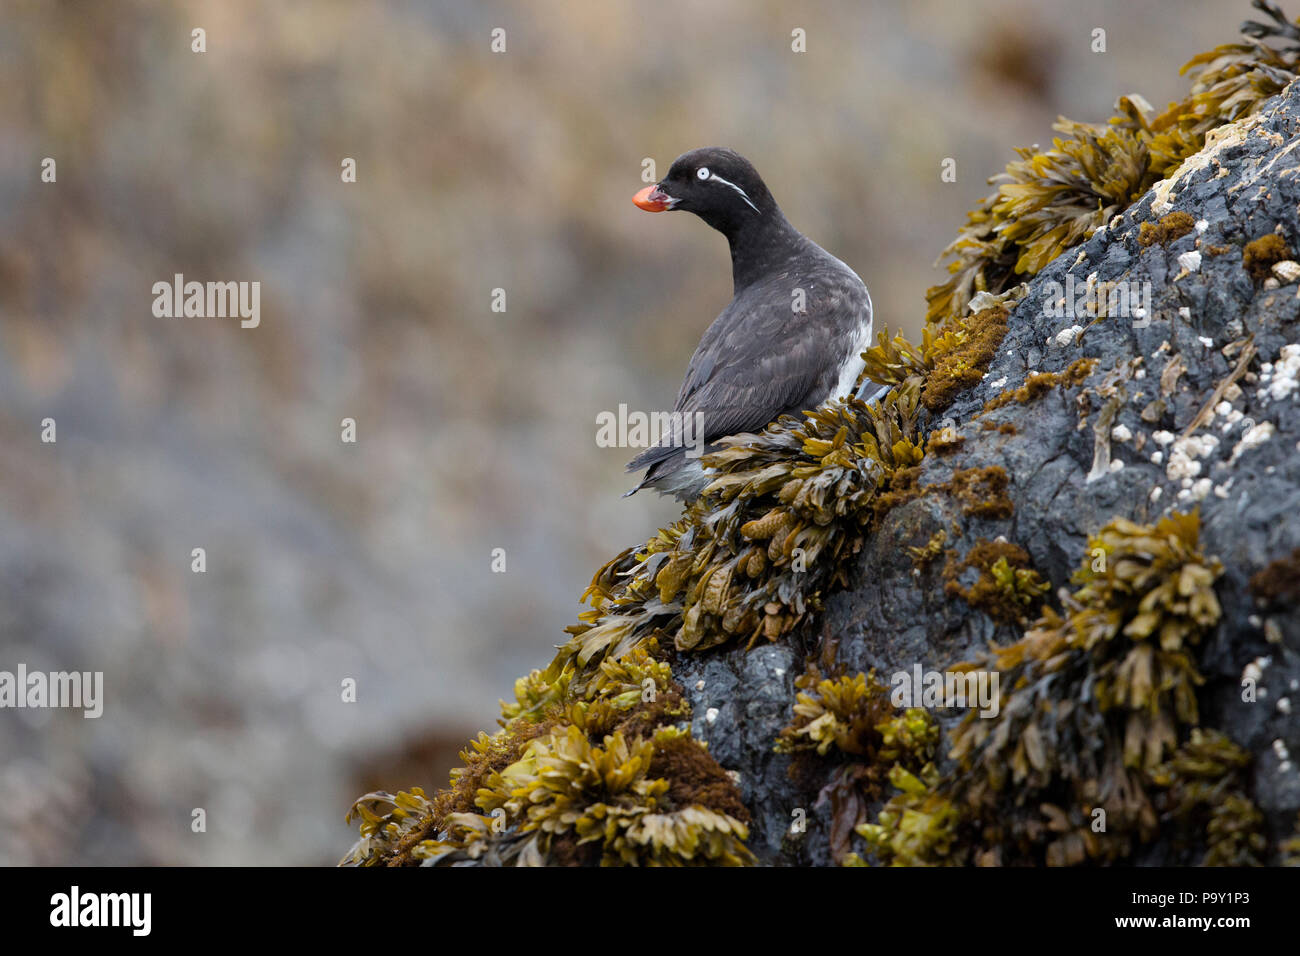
x,y
791,338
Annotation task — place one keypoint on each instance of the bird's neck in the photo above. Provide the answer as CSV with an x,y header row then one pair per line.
x,y
758,241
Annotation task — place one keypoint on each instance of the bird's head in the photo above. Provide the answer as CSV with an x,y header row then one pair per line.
x,y
717,184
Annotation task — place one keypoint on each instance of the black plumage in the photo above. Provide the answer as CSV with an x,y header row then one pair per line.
x,y
792,335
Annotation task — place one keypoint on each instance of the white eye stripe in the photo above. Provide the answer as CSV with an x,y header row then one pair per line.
x,y
714,177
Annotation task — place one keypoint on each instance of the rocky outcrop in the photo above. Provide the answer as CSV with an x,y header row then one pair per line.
x,y
1081,490
1194,405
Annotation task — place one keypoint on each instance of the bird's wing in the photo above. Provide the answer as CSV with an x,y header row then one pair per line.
x,y
758,359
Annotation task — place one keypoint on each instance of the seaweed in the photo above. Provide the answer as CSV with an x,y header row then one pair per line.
x,y
1050,200
1006,586
1090,726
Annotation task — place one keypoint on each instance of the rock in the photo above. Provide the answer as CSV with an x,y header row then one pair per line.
x,y
1107,461
889,618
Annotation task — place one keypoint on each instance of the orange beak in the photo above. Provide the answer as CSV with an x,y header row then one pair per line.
x,y
653,199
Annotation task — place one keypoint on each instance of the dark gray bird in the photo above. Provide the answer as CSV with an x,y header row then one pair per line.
x,y
790,339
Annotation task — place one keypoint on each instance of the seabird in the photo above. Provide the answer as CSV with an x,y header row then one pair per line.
x,y
791,338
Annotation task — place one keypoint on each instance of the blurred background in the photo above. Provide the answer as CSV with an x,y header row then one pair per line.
x,y
475,429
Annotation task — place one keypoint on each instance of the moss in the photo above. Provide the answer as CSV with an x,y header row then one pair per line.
x,y
1279,581
1039,384
695,778
1259,255
982,492
1006,586
1170,228
962,363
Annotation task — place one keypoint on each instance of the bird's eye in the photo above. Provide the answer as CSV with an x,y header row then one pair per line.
x,y
702,172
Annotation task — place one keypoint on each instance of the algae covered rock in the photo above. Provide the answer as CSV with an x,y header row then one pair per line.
x,y
1084,481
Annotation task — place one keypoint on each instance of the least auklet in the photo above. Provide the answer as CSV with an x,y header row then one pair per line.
x,y
791,338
